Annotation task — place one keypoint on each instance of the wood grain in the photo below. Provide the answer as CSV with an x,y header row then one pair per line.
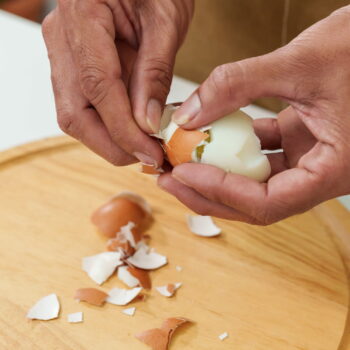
x,y
278,287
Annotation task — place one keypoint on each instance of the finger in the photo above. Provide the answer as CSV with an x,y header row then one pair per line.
x,y
232,86
152,76
268,132
127,57
100,76
198,203
287,193
73,112
291,126
278,162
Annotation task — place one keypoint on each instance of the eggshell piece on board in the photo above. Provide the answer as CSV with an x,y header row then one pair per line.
x,y
180,147
147,260
75,317
101,266
160,338
47,308
92,296
120,296
202,226
119,211
169,289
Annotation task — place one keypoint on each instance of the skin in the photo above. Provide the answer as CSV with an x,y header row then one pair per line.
x,y
312,74
112,64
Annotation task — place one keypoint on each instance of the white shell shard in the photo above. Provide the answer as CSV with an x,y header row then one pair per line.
x,y
178,268
133,197
75,317
223,336
235,148
126,234
119,296
163,290
167,126
130,311
45,309
202,226
147,260
101,266
126,277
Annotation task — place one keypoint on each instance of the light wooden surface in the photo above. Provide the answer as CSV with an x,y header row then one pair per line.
x,y
278,287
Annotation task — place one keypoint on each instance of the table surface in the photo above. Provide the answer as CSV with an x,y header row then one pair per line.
x,y
27,108
282,286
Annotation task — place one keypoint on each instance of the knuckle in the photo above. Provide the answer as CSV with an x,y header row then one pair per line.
x,y
94,84
65,120
47,25
224,79
160,70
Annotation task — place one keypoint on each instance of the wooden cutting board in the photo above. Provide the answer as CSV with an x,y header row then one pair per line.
x,y
277,287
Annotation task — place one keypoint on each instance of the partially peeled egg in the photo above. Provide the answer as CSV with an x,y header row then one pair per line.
x,y
228,143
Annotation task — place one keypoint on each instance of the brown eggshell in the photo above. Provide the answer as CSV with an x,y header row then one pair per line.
x,y
91,295
114,244
181,145
159,338
142,276
110,217
171,288
150,170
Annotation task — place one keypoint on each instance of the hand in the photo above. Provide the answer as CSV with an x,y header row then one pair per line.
x,y
112,64
312,74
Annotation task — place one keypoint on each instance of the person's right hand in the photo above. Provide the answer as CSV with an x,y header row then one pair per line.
x,y
112,64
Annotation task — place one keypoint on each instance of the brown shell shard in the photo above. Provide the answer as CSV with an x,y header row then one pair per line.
x,y
115,244
171,288
150,170
181,145
92,296
142,276
159,338
118,212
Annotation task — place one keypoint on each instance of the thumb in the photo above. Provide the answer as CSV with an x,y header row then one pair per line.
x,y
151,80
232,86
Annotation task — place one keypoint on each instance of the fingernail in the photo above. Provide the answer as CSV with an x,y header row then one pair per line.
x,y
188,110
153,114
145,159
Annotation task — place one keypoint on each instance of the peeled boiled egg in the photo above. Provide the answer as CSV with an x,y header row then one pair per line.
x,y
228,143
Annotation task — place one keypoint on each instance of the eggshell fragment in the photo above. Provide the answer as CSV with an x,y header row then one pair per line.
x,y
160,338
133,277
178,268
92,296
151,170
126,277
115,244
169,289
223,336
101,266
130,311
147,260
76,317
119,296
181,145
45,309
119,211
202,226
